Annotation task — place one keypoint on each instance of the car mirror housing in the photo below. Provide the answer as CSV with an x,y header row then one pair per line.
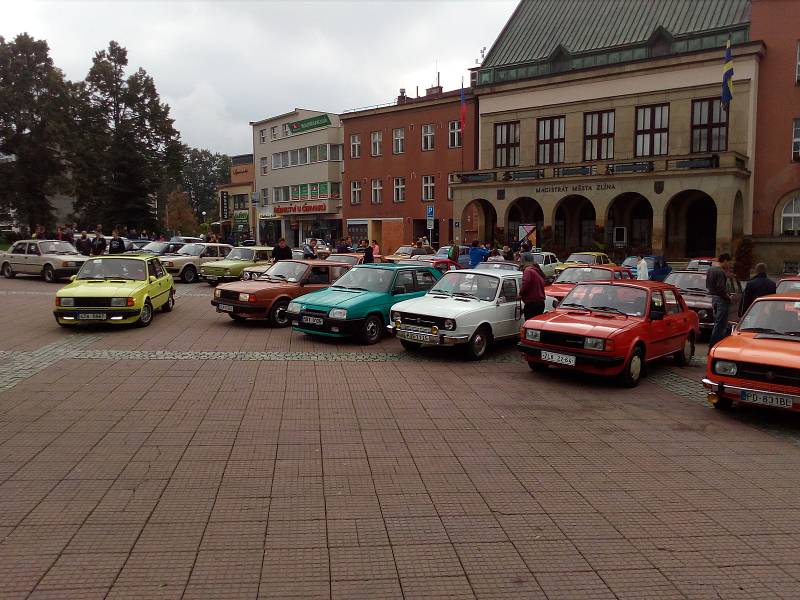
x,y
73,277
153,278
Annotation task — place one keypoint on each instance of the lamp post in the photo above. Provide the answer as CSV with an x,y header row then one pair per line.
x,y
204,221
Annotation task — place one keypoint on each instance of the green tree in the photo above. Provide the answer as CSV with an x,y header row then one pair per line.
x,y
179,214
34,127
203,172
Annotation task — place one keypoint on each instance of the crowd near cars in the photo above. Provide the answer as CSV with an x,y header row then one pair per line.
x,y
598,318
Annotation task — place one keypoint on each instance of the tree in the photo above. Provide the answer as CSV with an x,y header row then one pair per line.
x,y
34,127
203,172
180,216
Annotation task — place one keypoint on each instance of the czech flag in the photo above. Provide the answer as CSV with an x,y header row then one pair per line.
x,y
727,77
463,108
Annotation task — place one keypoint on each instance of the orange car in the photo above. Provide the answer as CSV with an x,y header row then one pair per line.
x,y
789,284
760,362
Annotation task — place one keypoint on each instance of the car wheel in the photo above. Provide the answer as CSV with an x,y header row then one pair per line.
x,y
278,316
8,272
170,303
371,330
723,404
237,317
478,343
49,274
632,372
410,346
684,356
189,275
146,316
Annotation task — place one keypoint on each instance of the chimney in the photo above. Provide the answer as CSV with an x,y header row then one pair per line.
x,y
432,91
402,98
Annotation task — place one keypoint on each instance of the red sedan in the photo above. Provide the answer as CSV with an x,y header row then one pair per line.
x,y
612,329
572,276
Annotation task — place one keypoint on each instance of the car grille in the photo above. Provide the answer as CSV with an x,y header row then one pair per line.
x,y
315,313
91,302
229,295
768,374
421,320
562,339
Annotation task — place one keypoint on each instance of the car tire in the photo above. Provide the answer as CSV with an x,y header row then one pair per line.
x,y
170,303
632,373
237,317
8,272
478,344
146,316
49,274
723,404
371,330
684,356
189,275
410,346
278,317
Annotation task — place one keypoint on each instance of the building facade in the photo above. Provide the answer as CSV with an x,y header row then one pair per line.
x,y
298,161
400,161
612,136
237,216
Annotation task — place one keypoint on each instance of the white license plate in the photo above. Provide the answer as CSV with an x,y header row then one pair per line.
x,y
211,277
559,359
312,320
225,307
775,400
91,316
418,337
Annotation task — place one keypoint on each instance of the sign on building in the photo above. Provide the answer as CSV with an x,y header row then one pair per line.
x,y
224,206
309,124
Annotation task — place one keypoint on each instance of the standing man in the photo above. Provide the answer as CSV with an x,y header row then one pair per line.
x,y
717,286
310,249
117,244
532,291
418,250
83,244
375,248
758,286
477,254
642,274
99,242
282,252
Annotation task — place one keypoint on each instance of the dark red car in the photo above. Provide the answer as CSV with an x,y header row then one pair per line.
x,y
612,329
571,276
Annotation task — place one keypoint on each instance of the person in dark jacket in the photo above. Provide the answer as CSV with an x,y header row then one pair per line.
x,y
717,286
83,244
281,251
532,291
98,243
117,244
758,286
310,249
369,257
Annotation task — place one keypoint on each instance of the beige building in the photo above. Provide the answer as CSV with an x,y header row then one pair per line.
x,y
298,161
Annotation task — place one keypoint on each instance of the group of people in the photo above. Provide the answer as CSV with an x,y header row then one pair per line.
x,y
521,252
346,244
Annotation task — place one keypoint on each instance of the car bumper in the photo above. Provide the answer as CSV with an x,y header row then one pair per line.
x,y
218,278
97,315
584,361
238,308
751,394
327,326
428,339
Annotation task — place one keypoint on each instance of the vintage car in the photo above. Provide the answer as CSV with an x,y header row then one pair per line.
x,y
657,267
442,264
468,307
118,289
572,276
463,255
358,303
404,253
186,262
230,268
701,264
351,258
612,329
548,262
692,285
760,362
49,259
497,265
789,284
185,239
139,244
256,270
583,258
268,295
158,248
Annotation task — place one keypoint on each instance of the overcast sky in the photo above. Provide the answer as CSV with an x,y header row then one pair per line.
x,y
222,64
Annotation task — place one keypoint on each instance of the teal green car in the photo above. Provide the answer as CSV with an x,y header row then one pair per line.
x,y
358,303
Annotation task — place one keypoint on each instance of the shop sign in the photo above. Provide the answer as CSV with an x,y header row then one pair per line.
x,y
241,216
303,208
224,206
581,187
309,124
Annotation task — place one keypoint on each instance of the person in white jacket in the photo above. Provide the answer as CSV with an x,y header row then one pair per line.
x,y
641,269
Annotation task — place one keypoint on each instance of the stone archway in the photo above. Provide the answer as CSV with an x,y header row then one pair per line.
x,y
478,221
635,213
574,223
523,211
690,225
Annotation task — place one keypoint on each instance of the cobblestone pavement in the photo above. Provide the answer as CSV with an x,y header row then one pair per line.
x,y
202,458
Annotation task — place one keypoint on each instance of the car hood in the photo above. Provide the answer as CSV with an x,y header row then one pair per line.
x,y
64,257
343,298
559,290
179,259
433,305
752,347
259,287
228,264
602,325
697,300
101,289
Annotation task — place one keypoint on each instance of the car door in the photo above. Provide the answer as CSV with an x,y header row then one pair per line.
x,y
33,259
16,256
658,330
676,321
404,287
509,309
159,289
209,253
317,278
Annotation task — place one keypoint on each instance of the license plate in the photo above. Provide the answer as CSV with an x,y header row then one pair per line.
x,y
775,400
559,359
312,320
211,277
91,316
225,307
412,336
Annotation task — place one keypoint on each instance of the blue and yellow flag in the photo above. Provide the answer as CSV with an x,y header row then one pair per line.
x,y
727,76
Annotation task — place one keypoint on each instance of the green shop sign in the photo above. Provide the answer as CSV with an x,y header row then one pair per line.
x,y
241,216
308,124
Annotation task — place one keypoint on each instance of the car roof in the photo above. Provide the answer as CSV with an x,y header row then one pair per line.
x,y
317,263
785,296
590,253
790,278
393,266
492,272
133,255
253,247
640,283
606,267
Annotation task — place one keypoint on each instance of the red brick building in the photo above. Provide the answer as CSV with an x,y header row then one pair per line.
x,y
399,161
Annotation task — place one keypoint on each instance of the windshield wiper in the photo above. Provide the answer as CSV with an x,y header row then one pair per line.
x,y
575,304
696,289
440,292
277,276
609,309
465,295
759,329
360,289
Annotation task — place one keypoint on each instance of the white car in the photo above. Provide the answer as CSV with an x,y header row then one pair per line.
x,y
186,262
466,307
49,259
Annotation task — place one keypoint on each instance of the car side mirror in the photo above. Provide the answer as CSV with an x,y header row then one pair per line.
x,y
400,289
73,277
656,315
153,278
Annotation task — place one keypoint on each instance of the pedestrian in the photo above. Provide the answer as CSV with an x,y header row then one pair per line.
x,y
376,249
117,244
477,254
349,242
282,251
452,251
495,256
59,233
717,286
508,253
99,242
642,273
514,244
418,250
525,255
532,291
368,256
69,233
310,249
83,244
758,286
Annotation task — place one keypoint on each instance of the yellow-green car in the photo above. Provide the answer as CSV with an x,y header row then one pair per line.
x,y
230,268
584,258
115,289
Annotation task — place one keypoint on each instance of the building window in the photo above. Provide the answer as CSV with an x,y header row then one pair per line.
x,y
264,196
506,144
335,152
286,130
796,140
791,217
709,126
280,194
240,201
355,192
294,157
427,136
322,150
377,191
451,179
302,158
355,146
454,134
550,147
273,132
264,165
336,190
262,135
428,188
399,189
598,135
398,141
376,137
652,130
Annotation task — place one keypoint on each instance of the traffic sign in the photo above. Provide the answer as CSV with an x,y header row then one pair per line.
x,y
429,213
430,223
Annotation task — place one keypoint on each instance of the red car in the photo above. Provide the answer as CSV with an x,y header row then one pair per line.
x,y
440,264
612,328
571,276
789,285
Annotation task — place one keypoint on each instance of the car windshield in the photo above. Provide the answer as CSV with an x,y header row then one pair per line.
x,y
497,265
789,285
621,299
538,259
343,258
443,251
368,279
192,250
285,270
581,258
687,282
113,268
699,265
773,316
579,274
57,248
241,254
404,250
469,285
155,247
631,261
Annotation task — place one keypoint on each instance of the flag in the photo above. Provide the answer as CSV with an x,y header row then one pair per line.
x,y
727,77
463,108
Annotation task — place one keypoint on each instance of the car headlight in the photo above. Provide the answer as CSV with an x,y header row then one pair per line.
x,y
294,308
449,324
167,263
119,302
247,297
533,335
593,343
66,301
338,313
725,367
69,263
217,293
245,275
702,313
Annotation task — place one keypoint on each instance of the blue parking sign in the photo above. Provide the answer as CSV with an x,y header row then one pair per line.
x,y
429,211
